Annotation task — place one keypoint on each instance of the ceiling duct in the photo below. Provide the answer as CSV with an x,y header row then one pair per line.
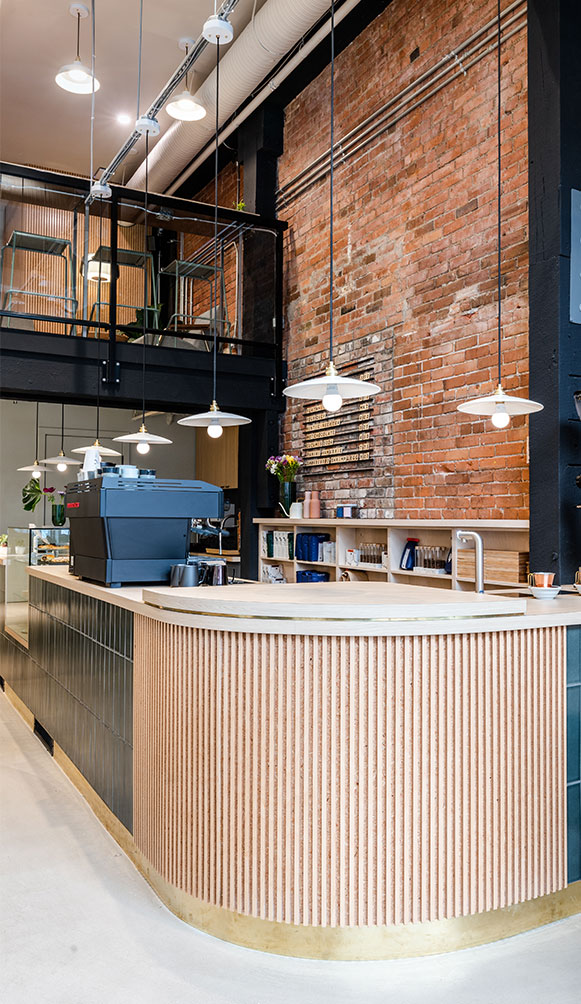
x,y
275,29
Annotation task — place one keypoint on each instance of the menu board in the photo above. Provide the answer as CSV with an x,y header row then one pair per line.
x,y
340,440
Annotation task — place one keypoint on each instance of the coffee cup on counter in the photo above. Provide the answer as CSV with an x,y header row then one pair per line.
x,y
542,580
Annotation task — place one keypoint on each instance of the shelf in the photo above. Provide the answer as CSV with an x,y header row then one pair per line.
x,y
279,561
365,566
493,582
431,573
324,564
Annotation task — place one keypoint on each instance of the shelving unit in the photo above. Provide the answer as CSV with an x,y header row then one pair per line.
x,y
507,535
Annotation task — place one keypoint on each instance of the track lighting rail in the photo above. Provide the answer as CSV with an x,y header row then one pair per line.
x,y
157,104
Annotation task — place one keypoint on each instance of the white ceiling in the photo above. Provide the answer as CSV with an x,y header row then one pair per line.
x,y
45,126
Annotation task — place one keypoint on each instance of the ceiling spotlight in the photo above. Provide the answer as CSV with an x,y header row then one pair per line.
x,y
76,77
123,118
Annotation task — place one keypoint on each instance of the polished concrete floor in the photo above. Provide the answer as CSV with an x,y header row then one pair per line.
x,y
78,925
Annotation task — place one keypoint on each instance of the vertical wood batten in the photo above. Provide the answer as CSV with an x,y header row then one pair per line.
x,y
351,782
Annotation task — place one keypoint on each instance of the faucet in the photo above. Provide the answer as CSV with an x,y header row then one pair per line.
x,y
221,531
465,535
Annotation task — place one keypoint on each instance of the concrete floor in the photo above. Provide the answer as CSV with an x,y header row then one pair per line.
x,y
78,925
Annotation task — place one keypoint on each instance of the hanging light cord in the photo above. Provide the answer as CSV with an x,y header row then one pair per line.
x,y
139,58
78,36
63,427
36,436
215,305
145,289
331,179
498,138
92,155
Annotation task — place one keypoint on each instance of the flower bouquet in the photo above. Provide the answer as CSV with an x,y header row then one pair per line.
x,y
285,467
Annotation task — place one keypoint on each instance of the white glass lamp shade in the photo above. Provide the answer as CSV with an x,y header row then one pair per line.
x,y
214,417
105,451
61,459
498,406
185,107
35,469
332,389
98,270
143,438
76,78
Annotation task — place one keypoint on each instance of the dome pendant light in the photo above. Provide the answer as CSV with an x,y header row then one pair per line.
x,y
183,106
500,406
144,439
35,469
75,77
216,30
331,389
61,462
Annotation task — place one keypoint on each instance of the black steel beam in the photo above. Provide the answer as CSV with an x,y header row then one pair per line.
x,y
554,76
46,367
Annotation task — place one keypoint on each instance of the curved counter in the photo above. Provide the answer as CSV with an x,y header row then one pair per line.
x,y
349,770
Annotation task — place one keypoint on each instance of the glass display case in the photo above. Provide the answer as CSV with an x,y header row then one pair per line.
x,y
39,545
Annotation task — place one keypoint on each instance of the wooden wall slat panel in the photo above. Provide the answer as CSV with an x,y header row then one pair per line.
x,y
351,782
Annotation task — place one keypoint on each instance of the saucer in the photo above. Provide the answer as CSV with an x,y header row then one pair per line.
x,y
545,592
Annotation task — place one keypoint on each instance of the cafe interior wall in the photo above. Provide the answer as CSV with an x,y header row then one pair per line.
x,y
415,261
17,422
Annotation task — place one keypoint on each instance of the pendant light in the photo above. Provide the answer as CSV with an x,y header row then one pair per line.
x,y
332,388
35,469
184,105
75,77
99,190
500,406
216,30
61,461
143,439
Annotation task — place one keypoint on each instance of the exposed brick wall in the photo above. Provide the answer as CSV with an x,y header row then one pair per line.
x,y
415,246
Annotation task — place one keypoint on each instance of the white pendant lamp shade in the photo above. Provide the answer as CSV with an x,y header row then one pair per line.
x,y
332,389
98,271
185,107
143,440
35,469
214,420
76,78
105,451
61,462
500,407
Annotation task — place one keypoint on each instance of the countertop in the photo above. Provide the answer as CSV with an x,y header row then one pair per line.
x,y
341,608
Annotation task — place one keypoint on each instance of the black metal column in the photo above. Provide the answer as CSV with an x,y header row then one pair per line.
x,y
554,75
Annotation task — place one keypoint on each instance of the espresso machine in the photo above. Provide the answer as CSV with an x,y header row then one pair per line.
x,y
133,529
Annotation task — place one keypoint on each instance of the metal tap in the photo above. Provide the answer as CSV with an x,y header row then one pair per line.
x,y
465,535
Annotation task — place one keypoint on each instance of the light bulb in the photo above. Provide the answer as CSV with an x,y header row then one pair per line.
x,y
215,429
185,107
143,447
78,74
332,400
37,475
61,467
501,418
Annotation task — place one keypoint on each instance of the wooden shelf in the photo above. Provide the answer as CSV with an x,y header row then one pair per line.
x,y
431,573
505,535
324,564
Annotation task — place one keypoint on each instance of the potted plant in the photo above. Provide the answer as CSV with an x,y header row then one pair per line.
x,y
32,493
286,467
